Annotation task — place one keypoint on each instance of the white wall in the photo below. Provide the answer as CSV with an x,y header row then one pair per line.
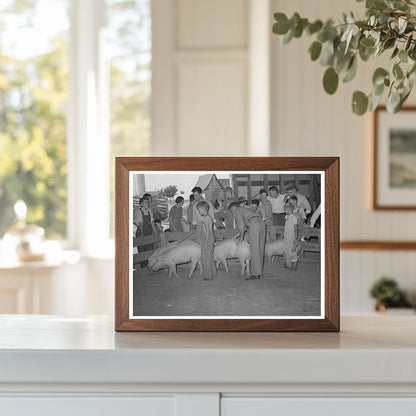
x,y
200,77
308,122
211,92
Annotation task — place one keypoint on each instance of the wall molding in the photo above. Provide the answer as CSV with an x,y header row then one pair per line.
x,y
377,245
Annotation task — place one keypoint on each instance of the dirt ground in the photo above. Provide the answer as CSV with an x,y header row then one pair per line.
x,y
280,292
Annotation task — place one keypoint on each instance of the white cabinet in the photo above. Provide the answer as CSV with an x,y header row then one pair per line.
x,y
52,365
88,406
267,406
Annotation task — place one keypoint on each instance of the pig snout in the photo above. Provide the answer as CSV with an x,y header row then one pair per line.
x,y
154,264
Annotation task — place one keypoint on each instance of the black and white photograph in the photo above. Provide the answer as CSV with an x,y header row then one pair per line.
x,y
226,244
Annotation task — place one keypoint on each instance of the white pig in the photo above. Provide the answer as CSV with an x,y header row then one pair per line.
x,y
228,249
273,248
173,254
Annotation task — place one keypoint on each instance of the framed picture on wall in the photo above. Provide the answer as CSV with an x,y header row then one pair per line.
x,y
394,178
227,244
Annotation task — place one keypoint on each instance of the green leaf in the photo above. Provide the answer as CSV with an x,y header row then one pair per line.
x,y
294,20
288,37
412,70
395,52
336,42
348,35
359,103
355,41
330,80
341,61
389,43
322,36
393,101
327,53
351,71
412,52
374,101
332,33
402,24
298,30
314,27
399,85
411,76
379,75
366,53
404,96
281,27
367,42
366,48
403,56
376,4
408,42
315,50
400,5
397,71
379,89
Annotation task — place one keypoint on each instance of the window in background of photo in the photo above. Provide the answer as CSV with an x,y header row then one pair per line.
x,y
129,54
33,104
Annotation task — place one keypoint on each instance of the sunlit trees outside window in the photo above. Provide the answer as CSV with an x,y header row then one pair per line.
x,y
129,46
33,103
35,76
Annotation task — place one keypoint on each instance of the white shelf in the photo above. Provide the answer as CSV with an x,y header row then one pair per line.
x,y
51,349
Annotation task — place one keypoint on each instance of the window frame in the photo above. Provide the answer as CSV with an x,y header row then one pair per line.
x,y
88,133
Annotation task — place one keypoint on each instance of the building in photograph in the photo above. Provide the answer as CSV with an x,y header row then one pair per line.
x,y
210,184
248,185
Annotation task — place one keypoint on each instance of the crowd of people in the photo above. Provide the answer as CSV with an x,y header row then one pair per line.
x,y
255,221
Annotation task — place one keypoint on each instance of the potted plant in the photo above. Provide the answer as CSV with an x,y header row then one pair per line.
x,y
387,294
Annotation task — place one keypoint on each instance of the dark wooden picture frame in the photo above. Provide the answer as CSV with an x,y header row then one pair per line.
x,y
377,206
328,165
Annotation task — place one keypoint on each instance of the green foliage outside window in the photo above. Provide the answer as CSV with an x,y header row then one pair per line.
x,y
129,44
33,99
34,104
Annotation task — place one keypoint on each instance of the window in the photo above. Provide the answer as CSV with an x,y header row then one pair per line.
x,y
129,43
75,88
33,102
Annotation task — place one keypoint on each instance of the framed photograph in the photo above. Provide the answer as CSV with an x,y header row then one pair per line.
x,y
394,179
227,244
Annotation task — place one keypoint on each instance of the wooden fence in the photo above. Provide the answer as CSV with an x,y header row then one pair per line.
x,y
154,240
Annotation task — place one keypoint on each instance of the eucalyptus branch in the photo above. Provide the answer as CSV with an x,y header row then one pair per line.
x,y
388,26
